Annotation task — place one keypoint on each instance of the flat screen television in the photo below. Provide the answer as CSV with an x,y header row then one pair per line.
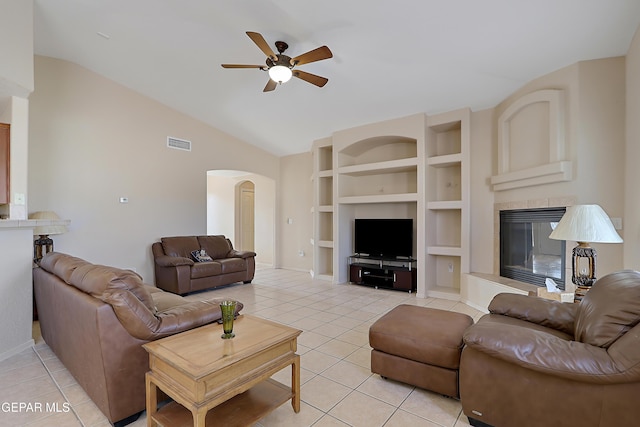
x,y
386,238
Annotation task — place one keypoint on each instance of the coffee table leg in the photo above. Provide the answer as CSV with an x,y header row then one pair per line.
x,y
199,418
295,384
152,400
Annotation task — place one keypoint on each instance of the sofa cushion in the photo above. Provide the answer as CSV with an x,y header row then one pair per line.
x,y
180,246
205,269
98,279
609,309
232,265
62,265
216,246
166,300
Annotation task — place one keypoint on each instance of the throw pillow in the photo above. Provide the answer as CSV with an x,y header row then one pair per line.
x,y
200,256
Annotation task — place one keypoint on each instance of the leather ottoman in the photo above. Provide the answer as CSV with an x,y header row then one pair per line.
x,y
419,346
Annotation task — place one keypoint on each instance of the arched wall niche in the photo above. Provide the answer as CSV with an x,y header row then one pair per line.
x,y
531,142
379,148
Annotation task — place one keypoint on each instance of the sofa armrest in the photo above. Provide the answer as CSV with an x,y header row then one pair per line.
x,y
240,254
172,261
141,323
546,353
544,312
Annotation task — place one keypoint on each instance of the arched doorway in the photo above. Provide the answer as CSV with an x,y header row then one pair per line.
x,y
223,210
245,207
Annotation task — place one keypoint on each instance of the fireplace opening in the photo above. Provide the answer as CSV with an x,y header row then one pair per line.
x,y
526,252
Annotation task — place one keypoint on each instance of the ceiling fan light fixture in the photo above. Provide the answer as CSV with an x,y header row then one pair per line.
x,y
280,73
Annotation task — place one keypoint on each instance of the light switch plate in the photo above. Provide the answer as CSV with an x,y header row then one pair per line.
x,y
617,223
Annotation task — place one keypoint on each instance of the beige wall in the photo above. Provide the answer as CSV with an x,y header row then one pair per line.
x,y
483,152
93,141
16,46
632,156
296,201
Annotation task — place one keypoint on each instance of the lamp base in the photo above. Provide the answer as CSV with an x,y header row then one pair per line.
x,y
42,246
583,269
580,292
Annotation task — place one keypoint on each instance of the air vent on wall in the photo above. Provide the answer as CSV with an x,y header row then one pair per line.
x,y
178,144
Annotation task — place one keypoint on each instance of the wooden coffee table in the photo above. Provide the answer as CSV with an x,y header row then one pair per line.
x,y
211,379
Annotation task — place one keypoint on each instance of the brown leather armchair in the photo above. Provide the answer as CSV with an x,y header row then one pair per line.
x,y
534,362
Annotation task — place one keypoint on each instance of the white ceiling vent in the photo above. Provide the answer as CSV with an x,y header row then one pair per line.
x,y
178,144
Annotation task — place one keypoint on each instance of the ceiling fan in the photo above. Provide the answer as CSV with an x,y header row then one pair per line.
x,y
281,66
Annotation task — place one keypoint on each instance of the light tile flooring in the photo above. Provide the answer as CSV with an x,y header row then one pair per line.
x,y
338,388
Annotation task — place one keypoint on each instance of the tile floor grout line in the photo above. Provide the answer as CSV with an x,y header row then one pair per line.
x,y
58,386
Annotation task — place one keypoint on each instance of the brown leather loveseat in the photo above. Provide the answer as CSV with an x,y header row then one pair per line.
x,y
95,319
179,267
534,362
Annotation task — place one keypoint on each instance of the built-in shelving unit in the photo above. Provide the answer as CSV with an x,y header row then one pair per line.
x,y
373,171
447,194
413,167
323,209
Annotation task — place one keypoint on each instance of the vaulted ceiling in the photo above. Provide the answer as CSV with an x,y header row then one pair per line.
x,y
391,58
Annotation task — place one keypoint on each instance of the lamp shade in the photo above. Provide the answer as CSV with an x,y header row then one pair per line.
x,y
585,223
280,73
48,229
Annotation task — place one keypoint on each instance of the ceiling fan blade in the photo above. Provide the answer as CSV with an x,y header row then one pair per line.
x,y
271,85
262,44
314,55
262,67
311,78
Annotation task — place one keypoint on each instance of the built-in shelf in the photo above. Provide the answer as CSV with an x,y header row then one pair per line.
x,y
387,167
383,198
323,171
444,292
444,250
325,243
445,205
447,193
444,161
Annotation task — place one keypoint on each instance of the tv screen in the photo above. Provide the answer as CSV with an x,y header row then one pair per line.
x,y
388,238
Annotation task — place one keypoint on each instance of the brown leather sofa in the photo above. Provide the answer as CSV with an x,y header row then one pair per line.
x,y
95,319
534,362
177,270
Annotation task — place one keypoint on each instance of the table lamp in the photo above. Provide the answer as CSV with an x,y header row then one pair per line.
x,y
585,224
44,244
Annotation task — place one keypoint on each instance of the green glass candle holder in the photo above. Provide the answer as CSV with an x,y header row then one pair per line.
x,y
228,309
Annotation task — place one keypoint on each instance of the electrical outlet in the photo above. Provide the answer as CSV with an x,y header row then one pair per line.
x,y
450,267
300,253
